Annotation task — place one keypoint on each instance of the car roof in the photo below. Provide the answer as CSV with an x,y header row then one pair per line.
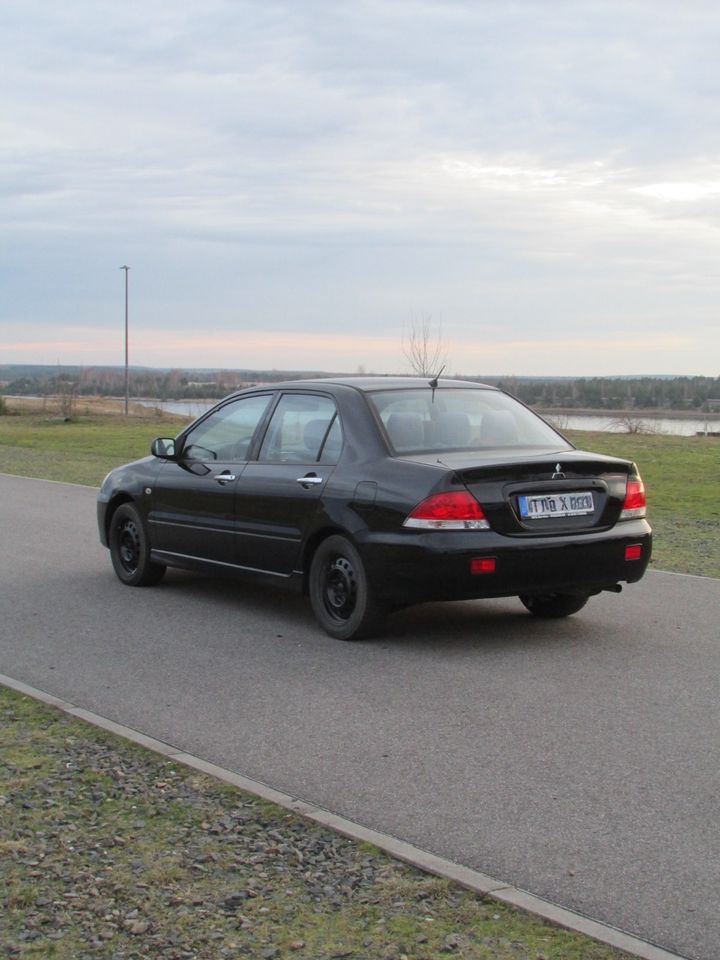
x,y
368,384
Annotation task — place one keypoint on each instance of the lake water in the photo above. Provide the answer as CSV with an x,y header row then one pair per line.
x,y
184,408
676,427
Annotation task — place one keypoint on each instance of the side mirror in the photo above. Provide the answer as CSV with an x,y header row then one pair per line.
x,y
163,447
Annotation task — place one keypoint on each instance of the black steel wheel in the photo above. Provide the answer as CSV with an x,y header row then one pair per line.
x,y
340,594
130,549
554,605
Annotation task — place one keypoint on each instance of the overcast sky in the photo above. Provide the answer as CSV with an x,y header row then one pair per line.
x,y
294,184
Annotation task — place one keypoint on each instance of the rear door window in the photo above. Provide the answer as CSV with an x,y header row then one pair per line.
x,y
304,428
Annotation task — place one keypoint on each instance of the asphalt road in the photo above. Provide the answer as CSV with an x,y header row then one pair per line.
x,y
578,760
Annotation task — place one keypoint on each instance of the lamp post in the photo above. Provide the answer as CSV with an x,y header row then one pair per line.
x,y
127,380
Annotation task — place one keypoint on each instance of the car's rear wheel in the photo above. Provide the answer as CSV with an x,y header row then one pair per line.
x,y
130,549
340,594
552,605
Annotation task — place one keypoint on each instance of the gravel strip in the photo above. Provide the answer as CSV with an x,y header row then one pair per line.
x,y
109,852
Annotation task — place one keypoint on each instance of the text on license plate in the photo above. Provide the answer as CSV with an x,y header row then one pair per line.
x,y
556,505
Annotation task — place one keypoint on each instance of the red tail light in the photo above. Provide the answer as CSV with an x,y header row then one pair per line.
x,y
635,500
456,510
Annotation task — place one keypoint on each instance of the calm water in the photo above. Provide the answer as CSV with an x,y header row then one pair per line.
x,y
684,427
681,428
184,408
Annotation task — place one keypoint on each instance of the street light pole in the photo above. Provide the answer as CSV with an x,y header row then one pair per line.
x,y
127,380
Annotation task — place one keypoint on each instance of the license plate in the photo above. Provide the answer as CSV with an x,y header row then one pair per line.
x,y
556,505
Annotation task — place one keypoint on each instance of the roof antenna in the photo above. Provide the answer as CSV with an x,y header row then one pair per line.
x,y
434,381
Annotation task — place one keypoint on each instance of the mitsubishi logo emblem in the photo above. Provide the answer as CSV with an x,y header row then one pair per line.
x,y
558,475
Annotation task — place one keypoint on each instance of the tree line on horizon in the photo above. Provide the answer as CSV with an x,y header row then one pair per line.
x,y
610,393
595,393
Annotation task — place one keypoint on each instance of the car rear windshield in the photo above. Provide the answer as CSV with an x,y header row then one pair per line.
x,y
427,421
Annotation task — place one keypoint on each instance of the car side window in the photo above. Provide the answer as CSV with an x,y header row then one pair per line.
x,y
332,447
303,429
227,433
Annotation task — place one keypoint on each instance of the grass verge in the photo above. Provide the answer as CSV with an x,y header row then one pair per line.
x,y
82,450
109,851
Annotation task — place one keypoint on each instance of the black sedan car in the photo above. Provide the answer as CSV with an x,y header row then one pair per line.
x,y
374,493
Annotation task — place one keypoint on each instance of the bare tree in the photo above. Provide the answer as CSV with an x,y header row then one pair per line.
x,y
68,393
424,347
630,424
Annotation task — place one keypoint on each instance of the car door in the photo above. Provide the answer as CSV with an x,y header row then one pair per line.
x,y
278,495
192,513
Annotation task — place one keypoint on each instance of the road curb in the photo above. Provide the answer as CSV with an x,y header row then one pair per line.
x,y
470,879
62,483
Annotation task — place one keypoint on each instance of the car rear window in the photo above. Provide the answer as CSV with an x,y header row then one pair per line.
x,y
427,421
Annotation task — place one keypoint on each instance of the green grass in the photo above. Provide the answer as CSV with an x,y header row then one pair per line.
x,y
109,852
81,451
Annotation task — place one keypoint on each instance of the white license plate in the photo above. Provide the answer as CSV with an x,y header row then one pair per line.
x,y
556,505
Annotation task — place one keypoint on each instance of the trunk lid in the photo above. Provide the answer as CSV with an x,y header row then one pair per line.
x,y
530,493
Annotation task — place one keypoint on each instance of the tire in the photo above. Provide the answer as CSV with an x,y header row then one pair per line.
x,y
130,549
340,594
554,605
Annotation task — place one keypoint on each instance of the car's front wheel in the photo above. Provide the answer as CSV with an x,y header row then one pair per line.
x,y
340,594
130,549
552,605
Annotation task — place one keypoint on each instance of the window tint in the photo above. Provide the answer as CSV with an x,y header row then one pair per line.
x,y
227,433
449,419
303,429
330,452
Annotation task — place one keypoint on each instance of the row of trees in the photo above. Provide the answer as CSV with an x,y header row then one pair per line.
x,y
594,393
610,393
151,384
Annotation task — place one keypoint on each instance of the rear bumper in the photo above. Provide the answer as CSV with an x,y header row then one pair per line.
x,y
414,566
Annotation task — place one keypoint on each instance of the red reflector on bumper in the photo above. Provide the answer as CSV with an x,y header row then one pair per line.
x,y
633,552
483,565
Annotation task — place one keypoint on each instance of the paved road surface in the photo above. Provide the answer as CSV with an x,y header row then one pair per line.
x,y
578,760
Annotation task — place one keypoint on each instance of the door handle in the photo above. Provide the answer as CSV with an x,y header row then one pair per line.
x,y
309,480
224,477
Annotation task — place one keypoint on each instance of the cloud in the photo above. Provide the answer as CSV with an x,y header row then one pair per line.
x,y
307,166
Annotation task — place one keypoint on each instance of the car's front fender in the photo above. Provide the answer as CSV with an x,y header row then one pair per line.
x,y
130,482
